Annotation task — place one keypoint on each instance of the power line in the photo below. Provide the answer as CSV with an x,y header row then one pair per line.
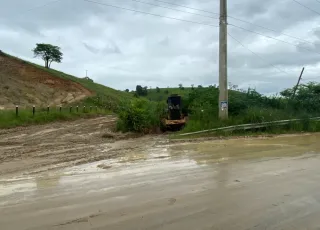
x,y
235,18
267,36
306,7
257,54
142,12
165,7
191,8
263,27
157,15
40,6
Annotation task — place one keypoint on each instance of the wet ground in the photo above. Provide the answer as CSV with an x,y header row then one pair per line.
x,y
154,183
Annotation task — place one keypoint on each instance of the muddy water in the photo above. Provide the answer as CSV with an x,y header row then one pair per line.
x,y
266,183
246,148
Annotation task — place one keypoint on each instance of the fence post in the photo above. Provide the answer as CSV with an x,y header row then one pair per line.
x,y
33,110
48,109
90,108
70,109
17,110
77,108
60,109
84,108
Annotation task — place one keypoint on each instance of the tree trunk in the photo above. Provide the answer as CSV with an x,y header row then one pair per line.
x,y
50,64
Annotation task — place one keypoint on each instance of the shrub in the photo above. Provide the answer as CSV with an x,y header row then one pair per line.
x,y
140,115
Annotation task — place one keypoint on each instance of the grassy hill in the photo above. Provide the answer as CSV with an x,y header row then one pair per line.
x,y
26,84
29,84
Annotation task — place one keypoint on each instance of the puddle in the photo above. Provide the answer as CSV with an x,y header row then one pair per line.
x,y
248,149
8,188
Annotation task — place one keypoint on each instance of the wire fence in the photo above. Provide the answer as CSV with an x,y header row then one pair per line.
x,y
60,109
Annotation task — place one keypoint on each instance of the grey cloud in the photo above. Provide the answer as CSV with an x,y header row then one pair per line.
x,y
110,48
90,48
164,42
122,48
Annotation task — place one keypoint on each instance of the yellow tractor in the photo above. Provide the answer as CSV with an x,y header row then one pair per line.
x,y
175,119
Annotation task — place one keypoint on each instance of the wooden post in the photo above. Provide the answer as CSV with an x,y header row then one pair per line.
x,y
77,108
60,109
33,110
84,108
70,109
17,110
295,89
48,109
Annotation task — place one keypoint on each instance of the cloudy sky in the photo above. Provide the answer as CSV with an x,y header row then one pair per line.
x,y
121,48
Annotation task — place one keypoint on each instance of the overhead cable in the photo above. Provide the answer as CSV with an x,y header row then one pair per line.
x,y
156,15
235,18
274,66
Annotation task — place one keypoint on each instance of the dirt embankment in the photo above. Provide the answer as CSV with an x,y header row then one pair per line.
x,y
61,144
24,84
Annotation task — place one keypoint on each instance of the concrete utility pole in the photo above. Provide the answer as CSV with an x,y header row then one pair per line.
x,y
86,73
223,77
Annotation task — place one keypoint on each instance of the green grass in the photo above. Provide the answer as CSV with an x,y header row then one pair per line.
x,y
304,126
207,119
9,119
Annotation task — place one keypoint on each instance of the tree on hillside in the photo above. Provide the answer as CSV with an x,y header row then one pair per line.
x,y
127,90
48,53
158,89
141,91
192,86
200,86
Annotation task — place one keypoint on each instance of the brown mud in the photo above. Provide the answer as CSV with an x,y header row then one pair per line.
x,y
41,148
67,176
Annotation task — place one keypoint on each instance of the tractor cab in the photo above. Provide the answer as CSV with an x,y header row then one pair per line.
x,y
175,119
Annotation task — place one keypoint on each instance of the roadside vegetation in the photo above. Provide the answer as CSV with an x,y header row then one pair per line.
x,y
245,107
140,115
249,106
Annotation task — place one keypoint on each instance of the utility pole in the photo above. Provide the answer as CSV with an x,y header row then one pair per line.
x,y
223,73
295,89
86,73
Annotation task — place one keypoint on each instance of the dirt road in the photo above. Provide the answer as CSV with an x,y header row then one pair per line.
x,y
152,183
41,148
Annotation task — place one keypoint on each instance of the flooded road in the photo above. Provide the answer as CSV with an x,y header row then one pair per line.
x,y
266,183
